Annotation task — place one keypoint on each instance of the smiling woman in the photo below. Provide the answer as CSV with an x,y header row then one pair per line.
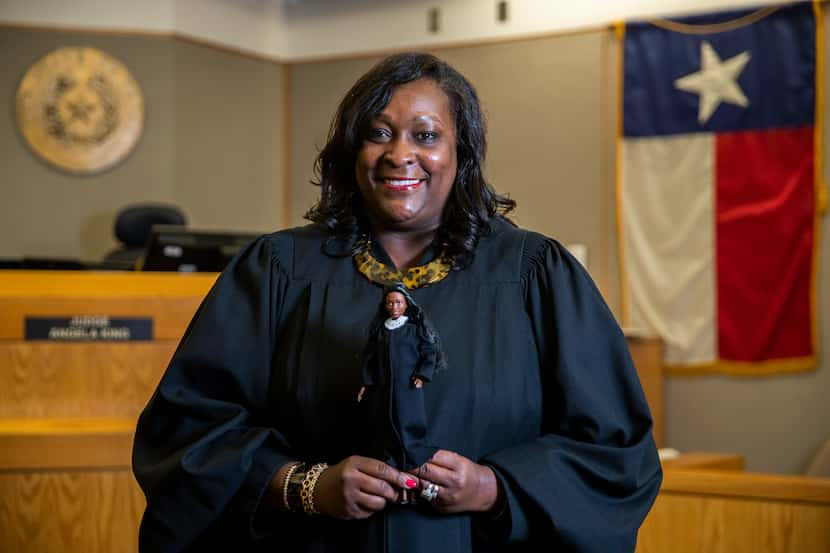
x,y
537,436
410,117
407,165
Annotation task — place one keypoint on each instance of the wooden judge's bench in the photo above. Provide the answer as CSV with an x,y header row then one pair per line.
x,y
68,407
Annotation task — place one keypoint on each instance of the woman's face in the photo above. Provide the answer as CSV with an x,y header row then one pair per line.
x,y
407,164
395,304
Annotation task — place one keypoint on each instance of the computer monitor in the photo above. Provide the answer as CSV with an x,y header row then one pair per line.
x,y
187,250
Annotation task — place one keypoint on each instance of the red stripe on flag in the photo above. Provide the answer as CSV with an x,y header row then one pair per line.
x,y
764,240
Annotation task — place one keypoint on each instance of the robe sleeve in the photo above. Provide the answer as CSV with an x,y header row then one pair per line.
x,y
588,481
426,362
206,445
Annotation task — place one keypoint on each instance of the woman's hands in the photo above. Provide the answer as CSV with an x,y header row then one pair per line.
x,y
463,484
357,487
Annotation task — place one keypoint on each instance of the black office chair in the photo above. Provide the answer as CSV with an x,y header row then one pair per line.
x,y
132,228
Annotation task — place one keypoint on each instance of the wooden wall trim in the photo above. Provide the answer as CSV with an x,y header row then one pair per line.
x,y
287,150
747,485
606,173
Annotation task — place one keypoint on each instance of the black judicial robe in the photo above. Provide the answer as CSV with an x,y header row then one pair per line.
x,y
540,386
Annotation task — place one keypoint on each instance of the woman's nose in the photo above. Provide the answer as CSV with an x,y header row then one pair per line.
x,y
400,152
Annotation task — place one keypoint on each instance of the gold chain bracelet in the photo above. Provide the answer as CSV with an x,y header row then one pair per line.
x,y
309,483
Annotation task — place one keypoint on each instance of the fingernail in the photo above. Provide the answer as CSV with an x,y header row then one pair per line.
x,y
411,483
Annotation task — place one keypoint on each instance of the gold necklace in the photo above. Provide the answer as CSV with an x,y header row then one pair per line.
x,y
415,277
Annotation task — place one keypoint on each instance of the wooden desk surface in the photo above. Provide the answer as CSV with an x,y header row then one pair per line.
x,y
60,444
102,284
706,461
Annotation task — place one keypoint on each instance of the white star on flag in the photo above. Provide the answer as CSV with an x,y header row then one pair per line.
x,y
716,82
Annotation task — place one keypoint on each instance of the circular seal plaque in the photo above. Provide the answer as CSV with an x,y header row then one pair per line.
x,y
80,109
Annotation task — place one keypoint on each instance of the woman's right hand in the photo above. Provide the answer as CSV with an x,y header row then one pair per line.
x,y
358,487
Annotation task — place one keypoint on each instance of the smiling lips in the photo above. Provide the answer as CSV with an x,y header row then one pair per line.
x,y
401,184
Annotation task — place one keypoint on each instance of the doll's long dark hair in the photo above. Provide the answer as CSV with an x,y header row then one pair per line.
x,y
472,203
426,330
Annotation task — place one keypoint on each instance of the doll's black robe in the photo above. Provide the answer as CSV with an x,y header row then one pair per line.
x,y
540,386
395,421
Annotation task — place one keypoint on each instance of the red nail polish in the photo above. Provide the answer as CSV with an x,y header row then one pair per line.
x,y
411,483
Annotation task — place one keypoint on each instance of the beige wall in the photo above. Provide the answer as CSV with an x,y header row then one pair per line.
x,y
229,138
550,105
212,144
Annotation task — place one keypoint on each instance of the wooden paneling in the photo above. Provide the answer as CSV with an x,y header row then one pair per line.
x,y
68,409
689,524
60,379
647,354
737,512
89,379
67,511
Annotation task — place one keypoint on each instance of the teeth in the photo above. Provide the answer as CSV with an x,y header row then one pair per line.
x,y
403,182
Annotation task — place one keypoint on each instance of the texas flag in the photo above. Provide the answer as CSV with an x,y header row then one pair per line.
x,y
718,186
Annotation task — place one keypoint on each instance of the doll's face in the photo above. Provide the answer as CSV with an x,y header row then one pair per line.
x,y
395,304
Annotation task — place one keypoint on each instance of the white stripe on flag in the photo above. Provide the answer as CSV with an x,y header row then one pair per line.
x,y
668,240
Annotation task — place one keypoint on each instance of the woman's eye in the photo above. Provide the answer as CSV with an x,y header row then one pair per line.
x,y
379,134
427,136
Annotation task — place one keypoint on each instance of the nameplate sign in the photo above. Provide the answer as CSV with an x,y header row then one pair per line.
x,y
89,328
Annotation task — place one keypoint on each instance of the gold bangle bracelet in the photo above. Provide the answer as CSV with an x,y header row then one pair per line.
x,y
309,483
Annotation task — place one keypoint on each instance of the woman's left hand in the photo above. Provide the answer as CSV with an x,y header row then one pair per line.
x,y
463,485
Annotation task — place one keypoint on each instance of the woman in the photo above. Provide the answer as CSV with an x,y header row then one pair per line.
x,y
543,433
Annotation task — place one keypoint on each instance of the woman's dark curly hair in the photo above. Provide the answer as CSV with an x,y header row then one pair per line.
x,y
472,203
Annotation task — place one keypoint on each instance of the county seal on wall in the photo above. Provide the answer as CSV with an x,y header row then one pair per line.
x,y
80,109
